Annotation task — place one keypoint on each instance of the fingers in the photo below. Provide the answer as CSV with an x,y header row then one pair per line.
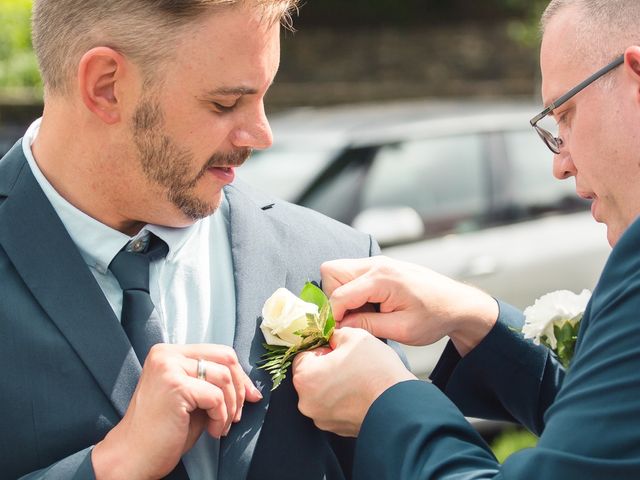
x,y
338,338
252,394
211,399
337,389
338,272
346,335
304,356
368,288
382,325
225,372
220,376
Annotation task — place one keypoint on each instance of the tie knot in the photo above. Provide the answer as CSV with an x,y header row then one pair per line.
x,y
131,268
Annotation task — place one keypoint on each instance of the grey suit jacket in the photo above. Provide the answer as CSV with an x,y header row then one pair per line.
x,y
69,371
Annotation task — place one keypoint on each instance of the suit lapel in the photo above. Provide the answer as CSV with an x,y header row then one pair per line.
x,y
45,257
259,270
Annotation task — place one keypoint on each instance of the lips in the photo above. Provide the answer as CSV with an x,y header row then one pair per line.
x,y
222,165
586,195
594,201
225,174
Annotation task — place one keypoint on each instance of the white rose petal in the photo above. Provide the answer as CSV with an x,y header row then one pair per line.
x,y
282,315
553,309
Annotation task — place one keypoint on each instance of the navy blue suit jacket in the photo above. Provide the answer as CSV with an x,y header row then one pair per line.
x,y
69,371
588,419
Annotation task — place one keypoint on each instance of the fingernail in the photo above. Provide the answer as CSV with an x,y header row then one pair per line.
x,y
257,392
238,415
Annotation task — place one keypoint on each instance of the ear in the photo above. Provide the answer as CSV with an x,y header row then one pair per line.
x,y
632,65
100,72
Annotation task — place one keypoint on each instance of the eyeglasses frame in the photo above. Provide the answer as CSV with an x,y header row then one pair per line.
x,y
566,97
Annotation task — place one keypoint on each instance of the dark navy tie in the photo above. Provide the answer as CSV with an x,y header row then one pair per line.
x,y
131,269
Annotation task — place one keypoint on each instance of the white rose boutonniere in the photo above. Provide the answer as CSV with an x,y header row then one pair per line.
x,y
554,320
291,325
283,315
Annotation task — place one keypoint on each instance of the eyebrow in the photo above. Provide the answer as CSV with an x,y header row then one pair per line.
x,y
231,91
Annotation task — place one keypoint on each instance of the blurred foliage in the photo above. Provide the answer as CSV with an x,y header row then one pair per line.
x,y
18,66
526,30
416,12
512,440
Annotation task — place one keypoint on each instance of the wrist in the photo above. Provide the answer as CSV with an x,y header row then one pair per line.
x,y
385,383
113,460
475,324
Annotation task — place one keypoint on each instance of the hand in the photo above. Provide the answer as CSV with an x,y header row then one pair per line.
x,y
170,409
417,306
337,387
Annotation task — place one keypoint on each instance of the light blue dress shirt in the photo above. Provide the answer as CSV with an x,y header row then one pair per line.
x,y
192,288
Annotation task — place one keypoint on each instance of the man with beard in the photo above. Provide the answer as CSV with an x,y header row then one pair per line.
x,y
132,274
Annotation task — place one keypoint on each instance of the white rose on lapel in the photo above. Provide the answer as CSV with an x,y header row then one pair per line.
x,y
291,325
284,314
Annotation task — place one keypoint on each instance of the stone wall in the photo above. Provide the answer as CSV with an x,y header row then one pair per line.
x,y
322,66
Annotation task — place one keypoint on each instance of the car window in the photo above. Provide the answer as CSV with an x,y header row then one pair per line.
x,y
336,193
442,179
535,191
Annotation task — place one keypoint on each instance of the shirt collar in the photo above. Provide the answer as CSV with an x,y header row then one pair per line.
x,y
97,242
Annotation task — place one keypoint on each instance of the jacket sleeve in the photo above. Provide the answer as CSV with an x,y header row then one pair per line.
x,y
77,467
504,378
413,431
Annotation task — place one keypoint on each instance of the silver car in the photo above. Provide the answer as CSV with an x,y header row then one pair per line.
x,y
464,188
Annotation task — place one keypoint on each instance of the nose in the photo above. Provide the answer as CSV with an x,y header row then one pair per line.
x,y
563,166
253,130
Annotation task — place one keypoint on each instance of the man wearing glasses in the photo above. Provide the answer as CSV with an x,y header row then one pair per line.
x,y
584,416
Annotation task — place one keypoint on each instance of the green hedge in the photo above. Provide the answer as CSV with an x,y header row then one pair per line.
x,y
512,440
18,66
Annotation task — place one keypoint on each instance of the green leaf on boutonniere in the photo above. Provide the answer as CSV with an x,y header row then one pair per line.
x,y
327,321
566,337
312,294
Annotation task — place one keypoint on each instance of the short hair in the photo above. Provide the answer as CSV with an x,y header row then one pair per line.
x,y
606,27
144,30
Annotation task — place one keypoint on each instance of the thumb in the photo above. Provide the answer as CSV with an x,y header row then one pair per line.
x,y
381,325
319,352
339,337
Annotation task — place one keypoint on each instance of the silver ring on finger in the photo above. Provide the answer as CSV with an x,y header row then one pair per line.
x,y
201,371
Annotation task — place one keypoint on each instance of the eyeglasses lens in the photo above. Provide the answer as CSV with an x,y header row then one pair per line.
x,y
547,128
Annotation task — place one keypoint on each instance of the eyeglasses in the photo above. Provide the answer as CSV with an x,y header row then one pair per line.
x,y
553,142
